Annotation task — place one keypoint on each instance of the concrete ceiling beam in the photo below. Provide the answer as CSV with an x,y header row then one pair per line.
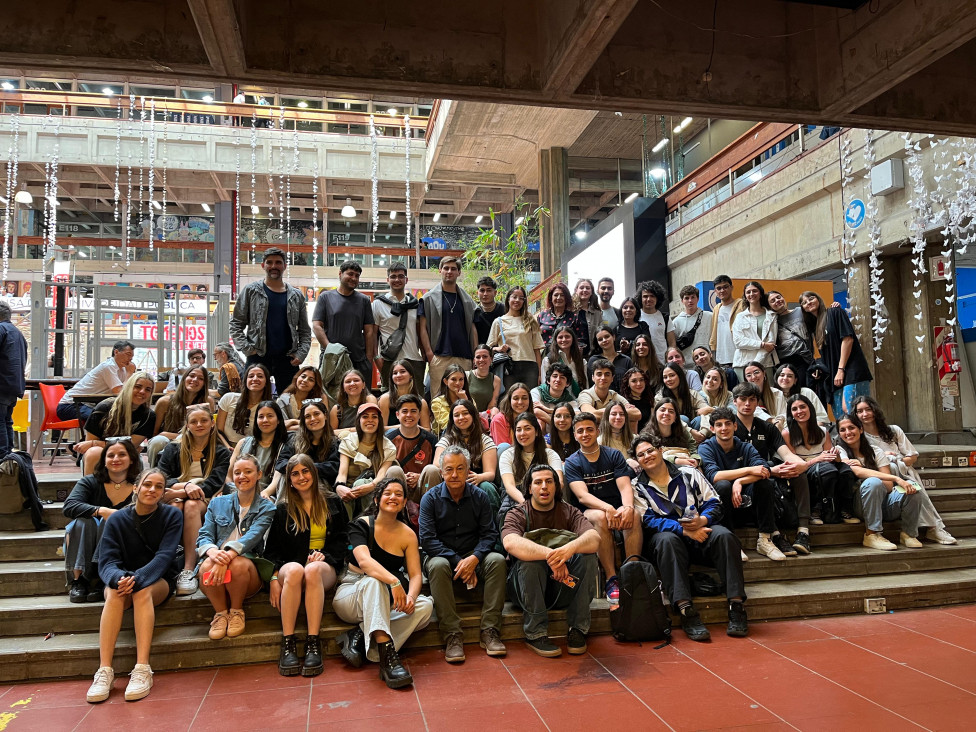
x,y
220,33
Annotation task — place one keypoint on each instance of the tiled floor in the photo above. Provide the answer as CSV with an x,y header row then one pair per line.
x,y
908,670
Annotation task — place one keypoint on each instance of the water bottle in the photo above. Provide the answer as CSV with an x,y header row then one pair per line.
x,y
691,513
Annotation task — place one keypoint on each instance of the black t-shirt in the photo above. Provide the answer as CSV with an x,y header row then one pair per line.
x,y
345,318
483,321
454,339
143,420
837,328
764,436
277,329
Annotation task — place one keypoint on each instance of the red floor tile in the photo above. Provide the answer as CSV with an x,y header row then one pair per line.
x,y
761,727
334,703
783,630
235,679
54,719
255,709
572,676
431,660
183,685
398,723
950,717
862,721
947,627
516,717
43,695
460,691
852,625
146,714
591,712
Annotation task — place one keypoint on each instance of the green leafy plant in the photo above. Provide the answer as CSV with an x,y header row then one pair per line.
x,y
505,259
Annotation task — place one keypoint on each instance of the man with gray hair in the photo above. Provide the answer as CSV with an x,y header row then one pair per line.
x,y
458,536
13,362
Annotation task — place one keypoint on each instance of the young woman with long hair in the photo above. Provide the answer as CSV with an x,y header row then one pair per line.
x,y
754,331
882,495
902,456
689,404
402,382
787,380
235,412
565,348
771,399
715,390
233,528
315,439
630,325
848,375
677,440
560,312
365,457
615,429
644,358
676,355
464,429
586,302
306,546
307,384
171,409
195,469
529,449
560,436
92,500
517,334
380,591
635,390
607,350
135,563
353,395
484,386
454,386
125,415
266,444
704,359
517,399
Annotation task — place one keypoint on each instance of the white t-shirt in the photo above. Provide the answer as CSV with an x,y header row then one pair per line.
x,y
724,346
388,324
655,322
506,463
684,323
100,380
228,402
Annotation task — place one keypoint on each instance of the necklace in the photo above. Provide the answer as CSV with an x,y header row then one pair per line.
x,y
591,452
456,298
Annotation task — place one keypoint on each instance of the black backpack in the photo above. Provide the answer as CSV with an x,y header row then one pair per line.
x,y
642,614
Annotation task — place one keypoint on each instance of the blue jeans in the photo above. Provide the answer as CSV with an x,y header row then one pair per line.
x,y
843,396
74,410
874,504
6,428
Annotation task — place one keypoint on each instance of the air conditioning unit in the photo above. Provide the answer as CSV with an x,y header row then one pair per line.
x,y
887,176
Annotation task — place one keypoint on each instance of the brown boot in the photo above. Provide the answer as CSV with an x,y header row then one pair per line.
x,y
491,641
454,648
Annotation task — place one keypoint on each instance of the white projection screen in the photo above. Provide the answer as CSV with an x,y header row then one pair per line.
x,y
605,257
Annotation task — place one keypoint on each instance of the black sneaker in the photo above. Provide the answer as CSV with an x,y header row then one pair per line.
x,y
802,542
576,642
692,625
738,621
780,542
544,647
78,591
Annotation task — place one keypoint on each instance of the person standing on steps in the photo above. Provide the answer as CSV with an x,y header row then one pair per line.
x,y
723,315
488,310
445,325
270,322
346,316
653,299
692,326
13,363
388,310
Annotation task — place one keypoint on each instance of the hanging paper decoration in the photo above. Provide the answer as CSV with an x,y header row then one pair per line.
x,y
13,165
52,205
315,225
406,148
152,170
126,228
374,176
922,214
116,193
879,313
254,165
848,240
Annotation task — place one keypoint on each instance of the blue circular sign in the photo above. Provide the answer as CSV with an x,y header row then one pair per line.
x,y
854,215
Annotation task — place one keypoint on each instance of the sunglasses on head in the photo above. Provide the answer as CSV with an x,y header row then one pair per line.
x,y
116,440
317,400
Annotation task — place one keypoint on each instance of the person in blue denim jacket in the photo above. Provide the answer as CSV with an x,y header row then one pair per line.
x,y
234,527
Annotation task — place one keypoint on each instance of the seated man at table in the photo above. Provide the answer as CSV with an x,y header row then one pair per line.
x,y
549,577
194,357
458,537
104,380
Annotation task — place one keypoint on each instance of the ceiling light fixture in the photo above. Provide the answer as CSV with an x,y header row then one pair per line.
x,y
24,197
255,210
348,211
631,197
519,220
660,145
658,172
157,206
207,98
8,86
478,219
392,111
393,215
107,91
206,207
681,125
580,234
303,104
437,217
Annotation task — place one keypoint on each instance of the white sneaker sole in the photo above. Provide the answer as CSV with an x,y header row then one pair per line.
x,y
96,698
138,694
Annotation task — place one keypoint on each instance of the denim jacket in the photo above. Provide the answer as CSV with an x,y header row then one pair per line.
x,y
251,313
221,519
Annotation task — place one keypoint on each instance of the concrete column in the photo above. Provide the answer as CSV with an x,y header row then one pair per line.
x,y
554,195
224,246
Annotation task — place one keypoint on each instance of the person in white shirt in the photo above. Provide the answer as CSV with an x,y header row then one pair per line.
x,y
106,378
387,311
692,326
754,331
723,315
652,297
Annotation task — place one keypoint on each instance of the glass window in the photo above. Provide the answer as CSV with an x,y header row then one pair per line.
x,y
153,91
9,84
347,105
97,87
302,102
45,85
198,95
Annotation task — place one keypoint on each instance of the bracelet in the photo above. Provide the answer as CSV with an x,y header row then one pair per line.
x,y
842,368
395,584
274,577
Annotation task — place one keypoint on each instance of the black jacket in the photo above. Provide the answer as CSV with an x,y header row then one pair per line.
x,y
284,545
87,497
328,468
169,464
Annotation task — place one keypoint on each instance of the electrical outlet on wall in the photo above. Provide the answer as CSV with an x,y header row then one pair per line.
x,y
874,605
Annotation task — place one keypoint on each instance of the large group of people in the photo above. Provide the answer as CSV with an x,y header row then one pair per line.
x,y
504,456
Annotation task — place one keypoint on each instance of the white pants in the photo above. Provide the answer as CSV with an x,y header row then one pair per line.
x,y
365,600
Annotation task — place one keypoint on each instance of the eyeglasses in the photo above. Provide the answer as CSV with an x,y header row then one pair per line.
x,y
116,440
644,453
317,400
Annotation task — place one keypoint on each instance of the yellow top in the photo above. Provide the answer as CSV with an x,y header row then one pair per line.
x,y
317,539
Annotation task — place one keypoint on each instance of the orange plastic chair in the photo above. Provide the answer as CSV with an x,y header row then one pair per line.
x,y
52,394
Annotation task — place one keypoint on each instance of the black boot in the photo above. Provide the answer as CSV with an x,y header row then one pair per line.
x,y
392,671
288,662
78,591
313,656
352,645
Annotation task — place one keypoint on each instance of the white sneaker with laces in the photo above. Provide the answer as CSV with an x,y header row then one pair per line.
x,y
102,685
877,541
140,682
186,583
940,536
909,541
766,547
743,556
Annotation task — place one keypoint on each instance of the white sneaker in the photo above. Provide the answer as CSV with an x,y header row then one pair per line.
x,y
766,547
102,685
940,536
743,556
877,541
910,541
140,682
186,583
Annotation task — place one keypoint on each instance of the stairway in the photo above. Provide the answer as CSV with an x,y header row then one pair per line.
x,y
835,579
